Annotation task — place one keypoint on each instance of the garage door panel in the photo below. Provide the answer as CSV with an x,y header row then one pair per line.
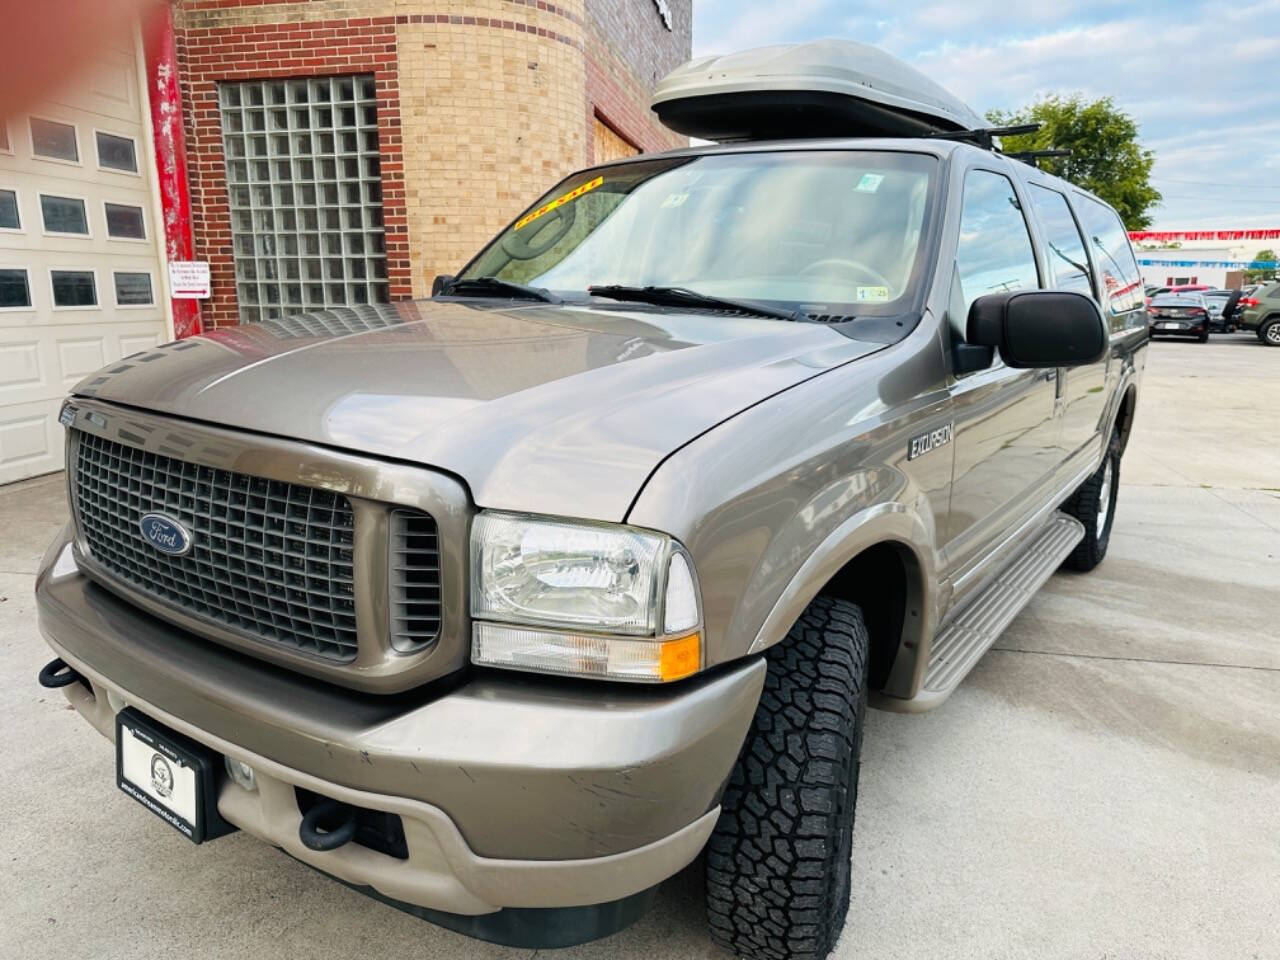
x,y
138,343
19,365
30,440
79,358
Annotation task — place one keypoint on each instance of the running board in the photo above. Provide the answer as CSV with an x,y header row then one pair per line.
x,y
963,641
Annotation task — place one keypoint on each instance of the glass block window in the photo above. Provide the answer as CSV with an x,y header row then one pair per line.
x,y
116,153
305,188
54,140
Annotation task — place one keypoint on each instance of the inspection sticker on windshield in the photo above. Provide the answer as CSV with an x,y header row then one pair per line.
x,y
873,294
870,182
546,208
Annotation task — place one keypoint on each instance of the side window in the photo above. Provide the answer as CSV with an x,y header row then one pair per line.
x,y
1068,262
994,253
1109,245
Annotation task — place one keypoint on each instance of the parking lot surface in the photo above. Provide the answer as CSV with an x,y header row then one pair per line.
x,y
1105,784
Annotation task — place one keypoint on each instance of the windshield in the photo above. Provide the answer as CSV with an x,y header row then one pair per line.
x,y
827,232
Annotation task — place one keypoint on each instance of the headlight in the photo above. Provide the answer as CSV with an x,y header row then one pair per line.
x,y
622,602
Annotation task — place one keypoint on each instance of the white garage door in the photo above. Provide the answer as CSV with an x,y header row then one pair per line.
x,y
80,281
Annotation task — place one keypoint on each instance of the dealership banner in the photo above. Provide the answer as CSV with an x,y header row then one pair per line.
x,y
1228,264
1168,236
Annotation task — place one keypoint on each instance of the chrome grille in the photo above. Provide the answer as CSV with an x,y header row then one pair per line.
x,y
270,559
415,580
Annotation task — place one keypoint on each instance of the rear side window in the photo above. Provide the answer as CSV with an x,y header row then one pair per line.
x,y
1068,263
1114,257
994,254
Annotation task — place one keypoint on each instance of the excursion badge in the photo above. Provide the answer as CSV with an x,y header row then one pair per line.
x,y
925,442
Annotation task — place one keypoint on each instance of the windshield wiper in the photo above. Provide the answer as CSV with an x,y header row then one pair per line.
x,y
488,286
683,297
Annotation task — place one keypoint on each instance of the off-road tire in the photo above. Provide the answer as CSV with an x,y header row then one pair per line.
x,y
778,862
1269,332
1087,504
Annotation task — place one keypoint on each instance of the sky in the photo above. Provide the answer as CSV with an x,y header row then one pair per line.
x,y
1201,79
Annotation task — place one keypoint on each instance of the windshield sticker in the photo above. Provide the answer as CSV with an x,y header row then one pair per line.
x,y
558,202
873,294
870,182
675,199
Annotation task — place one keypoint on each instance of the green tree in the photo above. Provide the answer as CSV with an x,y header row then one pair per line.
x,y
1253,276
1106,157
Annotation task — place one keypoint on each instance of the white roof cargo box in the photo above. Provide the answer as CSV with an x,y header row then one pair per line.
x,y
825,88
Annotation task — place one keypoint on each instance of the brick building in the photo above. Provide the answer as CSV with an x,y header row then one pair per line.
x,y
346,151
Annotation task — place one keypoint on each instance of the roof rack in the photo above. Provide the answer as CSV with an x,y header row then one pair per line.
x,y
1031,156
984,136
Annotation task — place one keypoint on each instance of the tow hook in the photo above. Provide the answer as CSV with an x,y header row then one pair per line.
x,y
328,825
56,673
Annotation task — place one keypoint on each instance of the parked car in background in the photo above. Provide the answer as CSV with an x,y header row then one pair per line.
x,y
1179,315
1218,301
1261,313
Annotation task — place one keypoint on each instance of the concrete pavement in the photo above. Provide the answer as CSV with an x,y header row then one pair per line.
x,y
1105,784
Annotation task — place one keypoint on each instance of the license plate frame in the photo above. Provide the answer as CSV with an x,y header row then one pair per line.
x,y
184,776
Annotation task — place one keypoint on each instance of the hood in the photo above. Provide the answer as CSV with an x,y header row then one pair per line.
x,y
541,408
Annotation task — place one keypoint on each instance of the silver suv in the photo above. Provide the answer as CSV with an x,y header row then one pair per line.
x,y
503,605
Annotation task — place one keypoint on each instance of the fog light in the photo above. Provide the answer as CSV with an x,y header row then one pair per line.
x,y
241,773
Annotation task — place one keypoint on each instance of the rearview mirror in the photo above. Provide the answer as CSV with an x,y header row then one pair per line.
x,y
1039,328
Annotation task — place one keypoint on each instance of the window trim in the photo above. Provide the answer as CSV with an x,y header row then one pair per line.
x,y
31,293
68,268
1075,218
88,221
141,208
8,138
75,130
115,291
17,202
97,153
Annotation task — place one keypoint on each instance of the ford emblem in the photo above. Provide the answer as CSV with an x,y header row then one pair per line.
x,y
165,534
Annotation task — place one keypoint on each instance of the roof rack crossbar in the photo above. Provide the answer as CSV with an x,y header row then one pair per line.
x,y
1031,156
983,136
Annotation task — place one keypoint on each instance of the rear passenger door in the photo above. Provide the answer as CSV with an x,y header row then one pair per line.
x,y
1082,391
1005,431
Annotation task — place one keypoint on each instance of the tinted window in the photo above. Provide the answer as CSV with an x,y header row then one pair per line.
x,y
1067,260
14,290
116,153
994,253
64,215
55,140
133,289
74,288
125,221
9,219
1113,255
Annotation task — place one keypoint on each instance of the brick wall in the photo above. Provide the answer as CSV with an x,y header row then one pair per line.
x,y
251,50
629,49
481,106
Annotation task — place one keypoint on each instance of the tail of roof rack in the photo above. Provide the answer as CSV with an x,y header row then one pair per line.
x,y
825,88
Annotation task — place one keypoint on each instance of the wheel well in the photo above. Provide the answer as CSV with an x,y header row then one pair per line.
x,y
883,581
1124,417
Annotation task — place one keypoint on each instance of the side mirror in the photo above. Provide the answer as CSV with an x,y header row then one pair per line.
x,y
1039,328
441,282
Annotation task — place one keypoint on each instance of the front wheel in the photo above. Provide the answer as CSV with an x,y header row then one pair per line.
x,y
1094,505
779,860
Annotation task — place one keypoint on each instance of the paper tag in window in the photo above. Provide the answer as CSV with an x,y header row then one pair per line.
x,y
873,294
870,182
558,202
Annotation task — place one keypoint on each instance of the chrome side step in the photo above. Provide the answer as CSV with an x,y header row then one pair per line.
x,y
962,642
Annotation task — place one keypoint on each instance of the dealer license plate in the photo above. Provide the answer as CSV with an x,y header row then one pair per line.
x,y
169,774
1169,326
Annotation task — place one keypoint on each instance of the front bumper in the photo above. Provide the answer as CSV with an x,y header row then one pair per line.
x,y
513,792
